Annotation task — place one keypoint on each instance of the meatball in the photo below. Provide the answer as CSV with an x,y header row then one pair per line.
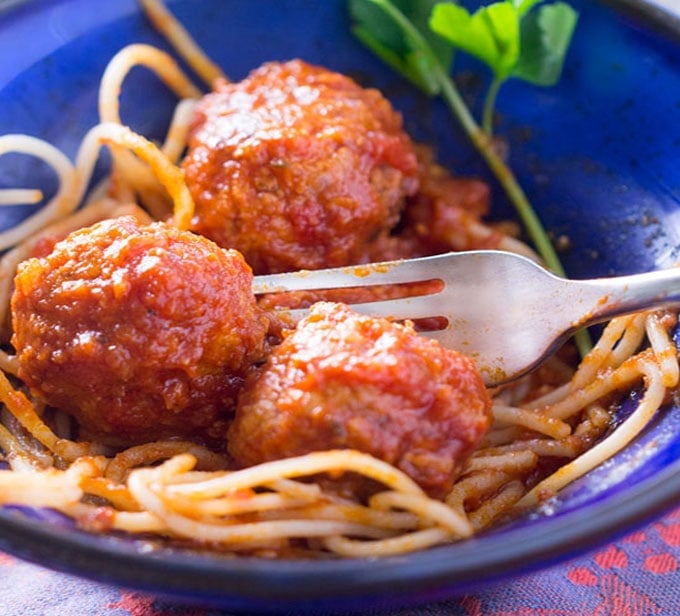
x,y
139,331
344,380
298,167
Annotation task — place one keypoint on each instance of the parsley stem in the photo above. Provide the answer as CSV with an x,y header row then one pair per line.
x,y
490,105
481,140
484,145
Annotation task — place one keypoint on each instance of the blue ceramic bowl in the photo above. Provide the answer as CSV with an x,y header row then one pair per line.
x,y
599,155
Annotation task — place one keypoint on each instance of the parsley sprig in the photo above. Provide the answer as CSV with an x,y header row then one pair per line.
x,y
510,38
520,39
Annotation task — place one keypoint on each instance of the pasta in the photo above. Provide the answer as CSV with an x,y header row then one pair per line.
x,y
548,430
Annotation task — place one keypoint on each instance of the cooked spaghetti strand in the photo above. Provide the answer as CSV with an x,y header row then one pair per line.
x,y
166,23
624,434
64,201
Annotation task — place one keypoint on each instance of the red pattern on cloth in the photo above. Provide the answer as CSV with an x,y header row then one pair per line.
x,y
638,575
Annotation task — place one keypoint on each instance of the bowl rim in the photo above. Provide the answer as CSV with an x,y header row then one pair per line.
x,y
271,584
657,14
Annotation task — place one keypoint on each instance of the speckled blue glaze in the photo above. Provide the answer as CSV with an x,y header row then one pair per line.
x,y
599,155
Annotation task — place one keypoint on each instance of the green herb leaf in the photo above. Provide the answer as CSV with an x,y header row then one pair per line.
x,y
491,33
545,34
400,44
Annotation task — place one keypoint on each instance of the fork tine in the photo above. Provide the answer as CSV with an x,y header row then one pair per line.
x,y
390,272
397,309
419,307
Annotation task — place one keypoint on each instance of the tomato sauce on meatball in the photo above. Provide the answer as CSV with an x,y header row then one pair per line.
x,y
139,331
298,167
344,380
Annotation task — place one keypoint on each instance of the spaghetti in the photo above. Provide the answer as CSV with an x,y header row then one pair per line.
x,y
548,430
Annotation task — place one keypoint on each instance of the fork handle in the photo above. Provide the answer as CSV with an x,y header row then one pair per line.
x,y
625,294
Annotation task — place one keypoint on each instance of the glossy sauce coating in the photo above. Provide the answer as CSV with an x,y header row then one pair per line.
x,y
347,380
298,167
140,331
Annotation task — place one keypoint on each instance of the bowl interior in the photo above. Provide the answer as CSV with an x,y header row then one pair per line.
x,y
598,154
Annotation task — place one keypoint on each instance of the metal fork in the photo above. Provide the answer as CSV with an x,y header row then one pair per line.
x,y
502,309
